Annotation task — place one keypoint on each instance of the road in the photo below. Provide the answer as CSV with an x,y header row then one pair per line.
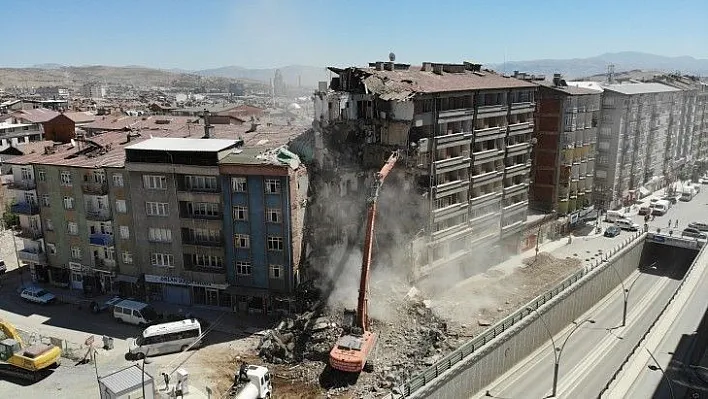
x,y
596,350
667,353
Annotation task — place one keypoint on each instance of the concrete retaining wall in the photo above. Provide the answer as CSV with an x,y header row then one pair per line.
x,y
471,375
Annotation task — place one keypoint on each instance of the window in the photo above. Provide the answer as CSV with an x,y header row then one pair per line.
x,y
127,257
240,213
72,228
156,234
45,200
238,184
207,261
276,271
204,209
242,241
68,202
76,252
48,224
244,268
65,178
51,248
205,235
124,232
273,215
275,243
26,174
272,186
162,260
118,180
201,183
155,182
41,175
157,208
121,207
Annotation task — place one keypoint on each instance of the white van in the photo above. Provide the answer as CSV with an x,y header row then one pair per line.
x,y
159,339
625,224
134,312
661,207
613,216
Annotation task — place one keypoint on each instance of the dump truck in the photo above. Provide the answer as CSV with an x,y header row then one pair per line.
x,y
19,361
256,384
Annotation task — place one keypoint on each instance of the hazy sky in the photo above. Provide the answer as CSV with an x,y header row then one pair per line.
x,y
271,33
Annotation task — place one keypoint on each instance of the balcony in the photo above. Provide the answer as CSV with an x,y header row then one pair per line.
x,y
486,111
25,208
202,243
203,216
486,155
444,189
98,216
104,264
95,188
448,212
489,133
453,140
190,266
104,240
518,149
458,114
520,128
515,207
485,178
516,170
519,108
30,234
23,185
34,256
451,164
515,189
485,199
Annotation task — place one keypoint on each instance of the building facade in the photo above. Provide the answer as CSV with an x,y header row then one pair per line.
x,y
567,120
462,183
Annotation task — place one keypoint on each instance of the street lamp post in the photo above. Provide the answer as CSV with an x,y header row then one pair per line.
x,y
142,369
538,234
625,293
558,352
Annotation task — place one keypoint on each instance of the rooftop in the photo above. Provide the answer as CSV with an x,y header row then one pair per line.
x,y
38,115
402,84
182,144
639,88
153,122
588,85
80,117
123,380
571,90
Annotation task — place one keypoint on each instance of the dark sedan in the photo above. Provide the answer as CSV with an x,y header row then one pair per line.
x,y
698,226
693,233
612,231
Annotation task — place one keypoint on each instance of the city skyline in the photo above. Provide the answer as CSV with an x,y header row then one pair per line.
x,y
264,34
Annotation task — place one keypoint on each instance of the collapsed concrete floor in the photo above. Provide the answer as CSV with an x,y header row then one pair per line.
x,y
415,330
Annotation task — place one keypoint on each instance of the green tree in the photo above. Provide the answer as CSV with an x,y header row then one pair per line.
x,y
10,219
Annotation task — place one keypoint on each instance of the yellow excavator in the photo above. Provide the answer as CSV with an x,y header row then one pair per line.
x,y
29,363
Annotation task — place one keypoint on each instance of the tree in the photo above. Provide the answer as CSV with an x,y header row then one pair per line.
x,y
10,219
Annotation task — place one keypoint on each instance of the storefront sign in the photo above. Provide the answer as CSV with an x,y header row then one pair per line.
x,y
174,280
75,267
674,241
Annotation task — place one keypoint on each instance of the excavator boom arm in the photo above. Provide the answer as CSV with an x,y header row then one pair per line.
x,y
362,304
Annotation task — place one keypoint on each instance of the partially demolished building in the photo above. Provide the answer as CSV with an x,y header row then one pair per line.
x,y
461,188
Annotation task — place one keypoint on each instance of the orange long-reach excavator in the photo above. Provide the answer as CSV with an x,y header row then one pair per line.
x,y
352,350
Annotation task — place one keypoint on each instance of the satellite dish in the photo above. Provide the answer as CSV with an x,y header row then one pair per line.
x,y
391,56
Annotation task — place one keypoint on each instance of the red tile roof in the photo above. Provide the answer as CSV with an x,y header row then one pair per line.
x,y
80,117
38,115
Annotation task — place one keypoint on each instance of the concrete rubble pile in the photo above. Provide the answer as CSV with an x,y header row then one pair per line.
x,y
305,336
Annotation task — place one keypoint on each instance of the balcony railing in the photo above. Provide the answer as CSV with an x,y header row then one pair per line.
x,y
103,263
187,215
98,216
31,234
23,184
453,140
450,164
204,243
25,208
204,269
486,155
104,240
28,255
95,188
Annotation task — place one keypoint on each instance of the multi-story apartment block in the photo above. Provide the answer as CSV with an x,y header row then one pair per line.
x,y
264,219
637,141
177,210
462,182
564,155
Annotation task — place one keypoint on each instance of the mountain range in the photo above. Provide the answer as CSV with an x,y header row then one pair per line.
x,y
308,76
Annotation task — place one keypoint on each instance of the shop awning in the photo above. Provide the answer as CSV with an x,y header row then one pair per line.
x,y
122,278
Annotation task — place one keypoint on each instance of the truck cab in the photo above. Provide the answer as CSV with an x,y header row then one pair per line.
x,y
258,385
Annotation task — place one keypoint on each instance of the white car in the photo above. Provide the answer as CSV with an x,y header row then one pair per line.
x,y
625,224
37,295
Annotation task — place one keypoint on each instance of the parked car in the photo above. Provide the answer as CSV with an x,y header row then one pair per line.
x,y
703,180
612,231
698,226
671,198
644,210
625,224
693,233
37,295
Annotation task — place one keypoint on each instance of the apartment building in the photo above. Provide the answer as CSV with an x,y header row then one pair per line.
x,y
567,120
462,182
264,219
638,141
177,210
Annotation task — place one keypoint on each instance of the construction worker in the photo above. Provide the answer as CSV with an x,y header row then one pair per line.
x,y
676,225
669,223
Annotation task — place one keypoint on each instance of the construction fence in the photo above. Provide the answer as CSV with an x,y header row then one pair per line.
x,y
69,350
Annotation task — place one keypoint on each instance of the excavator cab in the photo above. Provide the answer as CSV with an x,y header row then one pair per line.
x,y
349,319
8,348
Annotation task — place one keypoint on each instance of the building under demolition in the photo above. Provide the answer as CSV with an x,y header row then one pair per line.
x,y
458,196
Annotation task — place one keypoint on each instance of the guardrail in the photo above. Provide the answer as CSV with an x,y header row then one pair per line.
x,y
646,333
417,382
